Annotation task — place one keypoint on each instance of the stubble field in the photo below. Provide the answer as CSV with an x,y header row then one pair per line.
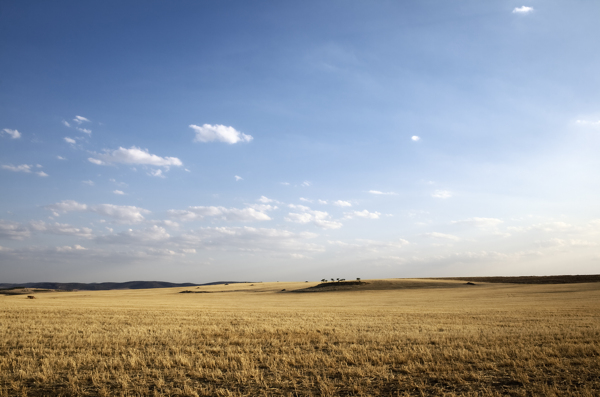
x,y
401,337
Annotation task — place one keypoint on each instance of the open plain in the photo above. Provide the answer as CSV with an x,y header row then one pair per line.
x,y
388,337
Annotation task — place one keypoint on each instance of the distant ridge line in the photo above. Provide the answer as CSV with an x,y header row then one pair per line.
x,y
564,279
110,285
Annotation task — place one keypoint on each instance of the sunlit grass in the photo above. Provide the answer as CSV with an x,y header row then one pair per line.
x,y
257,340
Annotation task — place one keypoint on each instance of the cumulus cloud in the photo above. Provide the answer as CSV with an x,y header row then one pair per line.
x,y
248,214
588,123
69,140
441,236
217,132
379,192
61,229
150,235
14,134
13,230
80,119
442,194
341,203
557,242
95,161
238,178
17,168
362,214
119,192
265,200
248,239
318,218
522,10
42,174
120,213
88,182
134,155
415,138
480,222
156,173
305,200
84,130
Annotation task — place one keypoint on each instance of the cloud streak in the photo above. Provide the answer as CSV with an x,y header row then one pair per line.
x,y
134,156
14,134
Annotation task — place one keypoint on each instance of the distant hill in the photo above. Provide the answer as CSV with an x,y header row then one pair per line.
x,y
109,286
565,279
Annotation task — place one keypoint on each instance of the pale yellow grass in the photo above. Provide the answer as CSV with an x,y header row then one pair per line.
x,y
256,340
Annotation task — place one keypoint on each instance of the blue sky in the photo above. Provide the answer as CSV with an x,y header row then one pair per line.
x,y
201,141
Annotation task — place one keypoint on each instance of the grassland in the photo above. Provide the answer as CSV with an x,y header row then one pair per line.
x,y
401,337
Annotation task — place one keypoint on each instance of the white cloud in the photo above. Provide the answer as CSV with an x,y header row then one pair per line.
x,y
95,161
318,218
42,174
362,214
80,119
217,132
285,183
119,192
443,194
67,248
588,123
18,168
379,192
134,155
13,230
88,182
556,242
85,130
66,123
299,207
480,222
306,184
522,10
120,213
14,134
442,236
60,158
265,200
69,140
322,201
550,227
305,200
149,235
61,229
156,173
238,178
341,203
67,206
227,214
415,138
248,239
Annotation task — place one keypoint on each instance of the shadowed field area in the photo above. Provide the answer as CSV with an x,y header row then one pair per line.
x,y
400,337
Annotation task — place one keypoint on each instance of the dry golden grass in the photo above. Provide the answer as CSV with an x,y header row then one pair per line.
x,y
486,340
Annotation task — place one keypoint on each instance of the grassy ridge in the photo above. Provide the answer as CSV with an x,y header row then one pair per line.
x,y
490,340
565,279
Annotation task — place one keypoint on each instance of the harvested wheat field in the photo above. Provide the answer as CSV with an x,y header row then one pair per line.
x,y
387,337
